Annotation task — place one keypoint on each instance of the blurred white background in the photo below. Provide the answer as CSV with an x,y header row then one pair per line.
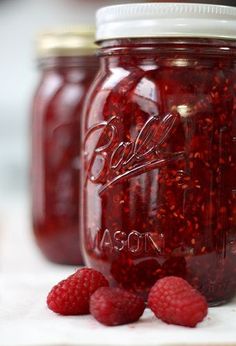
x,y
20,21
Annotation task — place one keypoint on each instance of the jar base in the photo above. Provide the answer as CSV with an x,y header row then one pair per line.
x,y
219,302
55,256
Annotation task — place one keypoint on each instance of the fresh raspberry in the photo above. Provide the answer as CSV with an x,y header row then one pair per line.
x,y
71,296
114,306
174,301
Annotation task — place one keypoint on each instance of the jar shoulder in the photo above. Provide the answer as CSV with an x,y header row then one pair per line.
x,y
154,89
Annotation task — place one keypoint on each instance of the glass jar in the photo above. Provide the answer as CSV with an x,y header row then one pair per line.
x,y
68,64
159,168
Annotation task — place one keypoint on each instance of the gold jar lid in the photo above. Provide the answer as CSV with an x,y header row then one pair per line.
x,y
75,41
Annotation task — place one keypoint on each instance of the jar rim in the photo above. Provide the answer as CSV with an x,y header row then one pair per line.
x,y
66,42
166,20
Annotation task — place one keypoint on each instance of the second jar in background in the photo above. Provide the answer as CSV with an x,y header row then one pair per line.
x,y
68,63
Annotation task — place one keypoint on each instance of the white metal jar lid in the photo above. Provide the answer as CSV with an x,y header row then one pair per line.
x,y
166,20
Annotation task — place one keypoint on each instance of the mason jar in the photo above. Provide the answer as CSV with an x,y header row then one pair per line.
x,y
158,136
67,64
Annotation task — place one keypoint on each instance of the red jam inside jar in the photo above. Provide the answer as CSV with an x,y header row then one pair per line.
x,y
67,71
159,165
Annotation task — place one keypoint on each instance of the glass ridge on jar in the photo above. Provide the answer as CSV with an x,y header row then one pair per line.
x,y
68,64
159,164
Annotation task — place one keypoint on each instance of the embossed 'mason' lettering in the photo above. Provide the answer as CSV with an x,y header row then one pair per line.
x,y
133,242
113,160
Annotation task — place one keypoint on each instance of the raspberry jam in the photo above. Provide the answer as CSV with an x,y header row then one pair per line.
x,y
159,186
56,154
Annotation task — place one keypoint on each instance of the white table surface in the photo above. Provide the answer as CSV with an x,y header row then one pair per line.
x,y
26,278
